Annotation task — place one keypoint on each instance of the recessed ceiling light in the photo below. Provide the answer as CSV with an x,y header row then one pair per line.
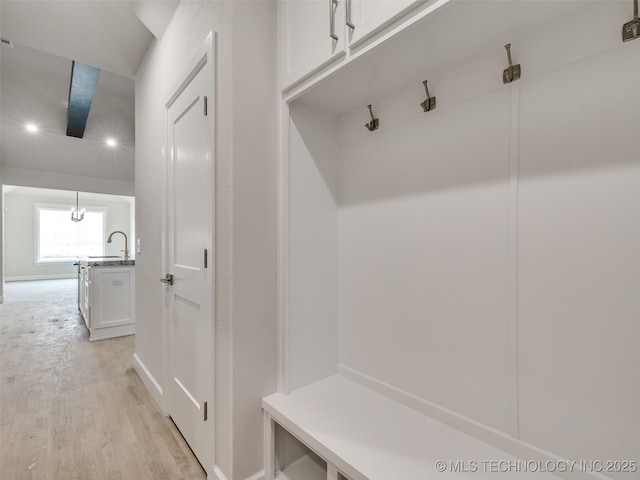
x,y
111,142
31,127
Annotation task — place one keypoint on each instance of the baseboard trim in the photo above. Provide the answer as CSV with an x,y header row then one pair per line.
x,y
257,476
471,427
218,475
28,278
149,381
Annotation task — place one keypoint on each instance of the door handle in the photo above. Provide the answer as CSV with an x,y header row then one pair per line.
x,y
350,24
333,5
167,279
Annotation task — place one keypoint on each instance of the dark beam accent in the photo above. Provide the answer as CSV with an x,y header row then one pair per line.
x,y
84,79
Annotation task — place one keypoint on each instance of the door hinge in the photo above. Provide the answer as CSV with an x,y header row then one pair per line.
x,y
205,105
206,411
206,256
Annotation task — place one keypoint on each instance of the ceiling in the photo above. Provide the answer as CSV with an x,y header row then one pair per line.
x,y
65,195
33,87
105,34
48,35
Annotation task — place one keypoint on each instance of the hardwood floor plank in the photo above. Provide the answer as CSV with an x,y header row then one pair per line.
x,y
75,410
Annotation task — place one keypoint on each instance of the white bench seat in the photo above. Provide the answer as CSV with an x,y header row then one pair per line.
x,y
368,436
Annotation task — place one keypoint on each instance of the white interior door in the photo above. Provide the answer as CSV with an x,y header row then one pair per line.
x,y
189,251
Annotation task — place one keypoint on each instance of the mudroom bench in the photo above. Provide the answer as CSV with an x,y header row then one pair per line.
x,y
337,429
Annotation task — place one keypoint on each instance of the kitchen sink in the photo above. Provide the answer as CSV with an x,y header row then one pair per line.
x,y
104,256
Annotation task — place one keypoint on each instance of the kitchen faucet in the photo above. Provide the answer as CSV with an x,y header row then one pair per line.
x,y
126,250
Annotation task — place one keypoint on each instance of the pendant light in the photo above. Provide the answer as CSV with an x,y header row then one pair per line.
x,y
76,214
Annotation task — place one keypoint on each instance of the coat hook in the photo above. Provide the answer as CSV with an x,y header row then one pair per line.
x,y
430,103
512,73
631,30
374,123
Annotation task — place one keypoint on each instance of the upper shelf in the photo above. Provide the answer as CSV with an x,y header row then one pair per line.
x,y
428,43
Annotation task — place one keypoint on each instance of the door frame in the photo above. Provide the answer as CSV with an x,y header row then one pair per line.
x,y
203,59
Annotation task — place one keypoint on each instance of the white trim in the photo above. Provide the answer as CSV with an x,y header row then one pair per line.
x,y
59,181
268,445
28,278
257,476
149,381
512,327
202,59
283,273
218,475
164,255
493,437
97,334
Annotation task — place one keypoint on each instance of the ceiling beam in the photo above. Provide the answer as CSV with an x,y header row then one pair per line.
x,y
84,79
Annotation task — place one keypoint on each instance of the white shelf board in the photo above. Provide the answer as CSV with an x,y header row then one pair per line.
x,y
305,468
371,437
433,41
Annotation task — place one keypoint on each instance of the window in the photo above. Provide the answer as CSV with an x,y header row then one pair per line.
x,y
58,239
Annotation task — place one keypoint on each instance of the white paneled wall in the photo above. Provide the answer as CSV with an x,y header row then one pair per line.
x,y
424,249
579,259
314,222
483,257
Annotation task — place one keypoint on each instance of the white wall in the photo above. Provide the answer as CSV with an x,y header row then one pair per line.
x,y
245,212
579,259
489,251
424,257
19,220
1,238
61,181
314,225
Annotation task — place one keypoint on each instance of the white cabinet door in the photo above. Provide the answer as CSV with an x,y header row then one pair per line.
x,y
369,17
81,290
306,41
86,300
83,300
111,297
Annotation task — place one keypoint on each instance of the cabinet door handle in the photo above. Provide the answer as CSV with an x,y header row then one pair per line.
x,y
333,5
349,22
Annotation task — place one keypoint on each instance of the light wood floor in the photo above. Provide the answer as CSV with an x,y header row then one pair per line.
x,y
74,410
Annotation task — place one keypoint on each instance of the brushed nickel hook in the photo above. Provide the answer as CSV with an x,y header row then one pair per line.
x,y
430,103
374,124
631,30
513,72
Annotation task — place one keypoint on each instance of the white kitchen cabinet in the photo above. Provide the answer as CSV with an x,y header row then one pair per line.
x,y
107,299
320,35
83,294
305,37
434,272
369,17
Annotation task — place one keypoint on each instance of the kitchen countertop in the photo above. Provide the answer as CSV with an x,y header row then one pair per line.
x,y
106,261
